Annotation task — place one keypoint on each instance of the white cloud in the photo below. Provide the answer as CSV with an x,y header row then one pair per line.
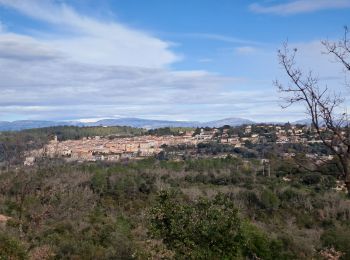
x,y
45,84
299,6
40,82
22,47
88,40
85,68
245,50
216,37
311,57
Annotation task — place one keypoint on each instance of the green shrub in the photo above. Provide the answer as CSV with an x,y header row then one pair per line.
x,y
311,179
339,238
99,182
269,200
207,229
10,248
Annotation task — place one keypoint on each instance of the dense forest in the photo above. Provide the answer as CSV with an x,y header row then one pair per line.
x,y
193,209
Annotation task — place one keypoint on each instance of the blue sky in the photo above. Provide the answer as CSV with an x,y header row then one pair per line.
x,y
179,60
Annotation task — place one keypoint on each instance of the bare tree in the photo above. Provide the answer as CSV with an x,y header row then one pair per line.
x,y
322,105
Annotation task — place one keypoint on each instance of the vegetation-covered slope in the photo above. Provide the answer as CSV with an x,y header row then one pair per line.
x,y
167,209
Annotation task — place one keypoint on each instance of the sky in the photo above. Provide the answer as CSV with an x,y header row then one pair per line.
x,y
160,59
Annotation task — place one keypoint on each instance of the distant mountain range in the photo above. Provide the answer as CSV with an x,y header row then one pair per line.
x,y
148,123
27,124
132,122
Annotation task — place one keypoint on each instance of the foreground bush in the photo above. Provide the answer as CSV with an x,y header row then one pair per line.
x,y
209,229
11,248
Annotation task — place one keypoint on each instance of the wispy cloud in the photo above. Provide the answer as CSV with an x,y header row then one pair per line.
x,y
299,6
87,68
88,40
83,67
215,37
43,83
2,27
245,50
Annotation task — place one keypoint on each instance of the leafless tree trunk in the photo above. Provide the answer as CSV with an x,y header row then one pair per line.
x,y
330,125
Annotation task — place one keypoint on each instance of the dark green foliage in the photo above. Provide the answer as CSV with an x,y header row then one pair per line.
x,y
202,230
339,238
168,131
99,182
209,229
269,200
11,248
103,238
311,179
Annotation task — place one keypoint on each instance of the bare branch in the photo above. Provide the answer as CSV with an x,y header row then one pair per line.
x,y
320,104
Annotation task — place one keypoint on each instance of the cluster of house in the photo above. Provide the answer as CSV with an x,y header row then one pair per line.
x,y
296,135
293,134
103,148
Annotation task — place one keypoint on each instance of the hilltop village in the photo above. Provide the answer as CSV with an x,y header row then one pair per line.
x,y
105,148
102,148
